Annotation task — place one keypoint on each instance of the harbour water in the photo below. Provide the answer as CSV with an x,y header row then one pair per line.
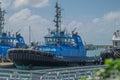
x,y
95,52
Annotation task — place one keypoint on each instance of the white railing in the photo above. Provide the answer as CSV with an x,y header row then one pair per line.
x,y
69,73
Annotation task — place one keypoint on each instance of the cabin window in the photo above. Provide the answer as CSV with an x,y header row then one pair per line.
x,y
56,39
65,40
15,42
50,40
10,41
62,40
73,42
117,44
3,40
46,40
53,39
69,40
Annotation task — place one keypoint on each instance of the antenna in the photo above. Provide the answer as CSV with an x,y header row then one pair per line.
x,y
57,19
74,30
29,34
2,14
49,31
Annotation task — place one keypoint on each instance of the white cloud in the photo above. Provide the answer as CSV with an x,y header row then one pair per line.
x,y
109,17
5,3
98,30
19,3
112,16
95,20
101,29
23,19
71,25
33,3
22,15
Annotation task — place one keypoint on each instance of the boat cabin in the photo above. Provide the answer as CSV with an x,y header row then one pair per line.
x,y
116,39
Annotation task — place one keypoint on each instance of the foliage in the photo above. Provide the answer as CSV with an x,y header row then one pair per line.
x,y
110,72
83,78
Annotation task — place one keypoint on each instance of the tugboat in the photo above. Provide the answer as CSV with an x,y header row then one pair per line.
x,y
6,40
113,52
60,49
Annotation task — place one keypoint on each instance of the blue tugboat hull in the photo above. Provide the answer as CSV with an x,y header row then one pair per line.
x,y
32,58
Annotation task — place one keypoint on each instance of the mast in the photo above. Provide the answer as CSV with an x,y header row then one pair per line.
x,y
57,19
2,14
29,34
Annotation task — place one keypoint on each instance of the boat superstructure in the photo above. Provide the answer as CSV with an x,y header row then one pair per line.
x,y
60,42
7,41
116,39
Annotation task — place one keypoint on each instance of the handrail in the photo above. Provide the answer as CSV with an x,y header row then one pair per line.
x,y
116,52
58,73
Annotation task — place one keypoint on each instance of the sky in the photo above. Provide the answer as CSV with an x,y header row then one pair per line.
x,y
94,20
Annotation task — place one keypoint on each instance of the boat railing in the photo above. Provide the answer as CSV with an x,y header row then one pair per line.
x,y
41,43
69,73
116,53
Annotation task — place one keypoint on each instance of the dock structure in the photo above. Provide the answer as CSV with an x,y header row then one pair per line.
x,y
6,64
103,46
69,73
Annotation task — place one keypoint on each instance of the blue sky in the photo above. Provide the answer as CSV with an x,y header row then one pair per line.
x,y
95,20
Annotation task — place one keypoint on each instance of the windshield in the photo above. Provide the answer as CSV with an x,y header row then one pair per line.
x,y
8,41
51,40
